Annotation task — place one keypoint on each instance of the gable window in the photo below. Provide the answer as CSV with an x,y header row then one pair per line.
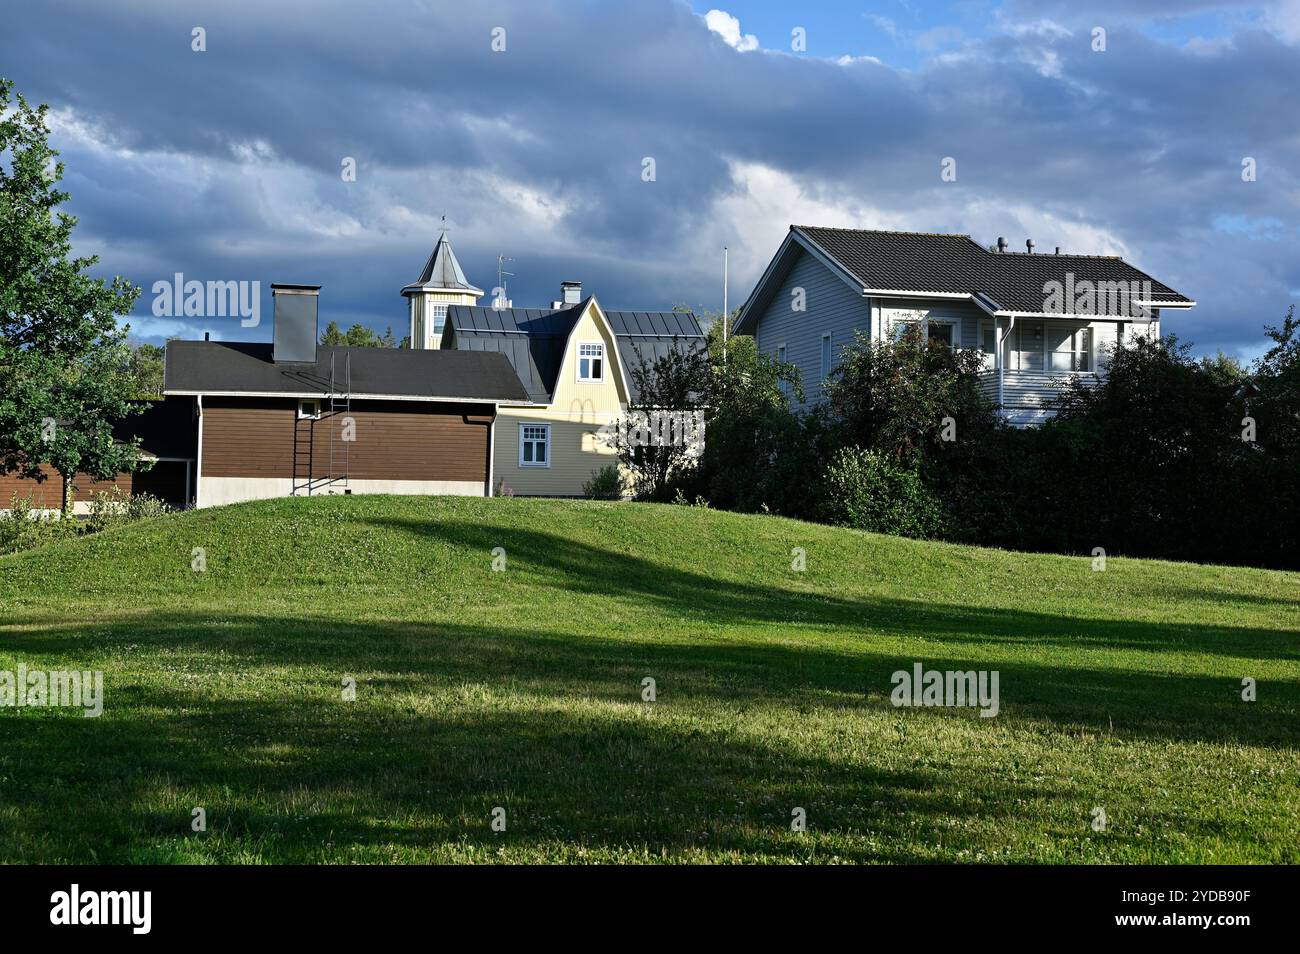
x,y
534,445
309,409
826,358
591,361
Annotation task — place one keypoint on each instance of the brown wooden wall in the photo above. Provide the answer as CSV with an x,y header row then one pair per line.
x,y
166,480
255,437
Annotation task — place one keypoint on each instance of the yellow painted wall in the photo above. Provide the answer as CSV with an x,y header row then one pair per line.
x,y
581,418
422,334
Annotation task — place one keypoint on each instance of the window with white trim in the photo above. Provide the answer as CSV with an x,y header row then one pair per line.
x,y
591,362
942,330
1069,348
309,408
439,320
534,445
989,343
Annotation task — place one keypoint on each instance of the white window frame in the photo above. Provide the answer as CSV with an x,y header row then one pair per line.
x,y
438,310
602,357
546,428
990,357
1074,352
952,323
313,415
897,327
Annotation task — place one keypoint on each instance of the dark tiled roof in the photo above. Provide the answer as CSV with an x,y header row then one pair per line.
x,y
221,366
533,339
1016,281
956,264
904,261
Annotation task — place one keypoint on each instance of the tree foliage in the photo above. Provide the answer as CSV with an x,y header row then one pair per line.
x,y
357,336
64,375
903,397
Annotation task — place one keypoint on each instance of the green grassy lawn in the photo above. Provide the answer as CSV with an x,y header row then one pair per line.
x,y
1120,690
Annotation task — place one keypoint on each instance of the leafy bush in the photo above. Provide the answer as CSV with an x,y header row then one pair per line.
x,y
867,490
894,396
113,508
22,528
671,386
605,484
681,500
758,454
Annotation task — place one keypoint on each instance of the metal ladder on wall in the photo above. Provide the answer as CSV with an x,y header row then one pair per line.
x,y
336,415
340,404
302,454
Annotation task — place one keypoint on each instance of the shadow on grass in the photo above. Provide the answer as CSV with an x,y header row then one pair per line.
x,y
566,564
453,720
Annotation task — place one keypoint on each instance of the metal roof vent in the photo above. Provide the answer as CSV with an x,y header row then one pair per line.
x,y
295,334
1029,246
1002,244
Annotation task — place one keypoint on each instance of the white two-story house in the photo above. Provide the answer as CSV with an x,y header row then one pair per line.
x,y
1039,319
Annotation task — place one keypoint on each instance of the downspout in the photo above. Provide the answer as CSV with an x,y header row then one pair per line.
x,y
198,463
492,447
1002,364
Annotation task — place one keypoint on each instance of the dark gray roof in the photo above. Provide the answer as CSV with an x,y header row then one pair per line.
x,y
219,366
533,339
442,270
646,336
929,262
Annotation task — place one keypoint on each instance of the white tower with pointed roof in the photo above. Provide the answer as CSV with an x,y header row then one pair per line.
x,y
441,283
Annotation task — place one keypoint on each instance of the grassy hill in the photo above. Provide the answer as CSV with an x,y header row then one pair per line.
x,y
522,689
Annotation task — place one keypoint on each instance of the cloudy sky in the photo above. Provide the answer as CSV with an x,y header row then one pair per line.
x,y
227,163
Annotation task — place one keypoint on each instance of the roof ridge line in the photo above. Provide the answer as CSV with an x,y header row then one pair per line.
x,y
839,228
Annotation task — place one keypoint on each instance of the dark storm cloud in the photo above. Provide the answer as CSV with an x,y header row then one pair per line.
x,y
225,164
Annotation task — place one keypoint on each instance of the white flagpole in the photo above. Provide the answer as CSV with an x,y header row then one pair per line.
x,y
726,318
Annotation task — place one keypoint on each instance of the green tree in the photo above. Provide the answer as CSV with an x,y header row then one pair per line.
x,y
357,336
914,399
63,357
1277,382
146,367
668,389
757,451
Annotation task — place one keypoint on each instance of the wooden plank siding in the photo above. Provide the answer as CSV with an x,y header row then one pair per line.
x,y
255,437
165,480
832,307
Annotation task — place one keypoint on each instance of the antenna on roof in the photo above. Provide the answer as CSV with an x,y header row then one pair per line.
x,y
501,301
